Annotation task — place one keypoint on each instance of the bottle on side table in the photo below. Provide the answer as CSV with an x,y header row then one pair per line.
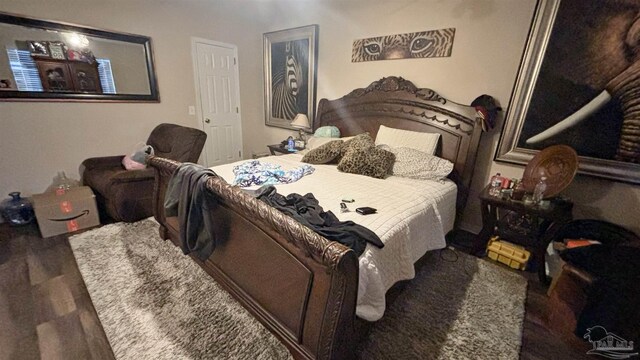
x,y
291,144
495,185
538,191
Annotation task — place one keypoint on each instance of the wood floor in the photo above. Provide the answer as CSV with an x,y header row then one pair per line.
x,y
46,311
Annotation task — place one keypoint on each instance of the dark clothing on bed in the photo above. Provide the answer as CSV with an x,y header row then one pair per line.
x,y
188,199
308,212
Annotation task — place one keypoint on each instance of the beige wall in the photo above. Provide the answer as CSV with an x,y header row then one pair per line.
x,y
484,60
473,69
42,138
37,139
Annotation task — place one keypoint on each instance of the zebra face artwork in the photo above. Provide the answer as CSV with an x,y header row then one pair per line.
x,y
289,81
424,44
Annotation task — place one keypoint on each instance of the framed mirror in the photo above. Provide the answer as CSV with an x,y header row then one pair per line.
x,y
52,61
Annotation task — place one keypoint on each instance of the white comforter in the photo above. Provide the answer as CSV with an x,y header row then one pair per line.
x,y
412,218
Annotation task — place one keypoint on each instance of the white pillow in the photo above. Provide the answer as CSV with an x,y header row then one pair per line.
x,y
426,142
416,164
315,142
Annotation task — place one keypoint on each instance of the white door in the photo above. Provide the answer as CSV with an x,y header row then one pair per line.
x,y
218,99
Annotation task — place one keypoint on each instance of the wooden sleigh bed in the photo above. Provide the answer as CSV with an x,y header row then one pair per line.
x,y
301,286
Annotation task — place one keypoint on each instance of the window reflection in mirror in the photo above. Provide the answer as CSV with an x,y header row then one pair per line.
x,y
43,59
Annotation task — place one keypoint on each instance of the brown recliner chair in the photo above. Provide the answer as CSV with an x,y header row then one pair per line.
x,y
599,284
127,195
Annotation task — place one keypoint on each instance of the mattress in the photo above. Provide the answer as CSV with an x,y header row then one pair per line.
x,y
413,217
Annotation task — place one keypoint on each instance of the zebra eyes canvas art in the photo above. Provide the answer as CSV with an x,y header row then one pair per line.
x,y
289,75
424,44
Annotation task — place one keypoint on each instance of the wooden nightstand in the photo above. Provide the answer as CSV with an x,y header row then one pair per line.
x,y
278,149
526,225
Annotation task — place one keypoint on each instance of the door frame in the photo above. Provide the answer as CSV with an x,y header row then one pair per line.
x,y
196,83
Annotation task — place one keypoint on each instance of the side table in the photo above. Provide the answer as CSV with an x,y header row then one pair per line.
x,y
278,149
530,226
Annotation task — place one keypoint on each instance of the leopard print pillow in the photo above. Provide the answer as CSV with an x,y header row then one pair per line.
x,y
369,161
360,141
325,154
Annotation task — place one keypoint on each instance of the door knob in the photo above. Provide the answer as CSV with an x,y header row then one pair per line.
x,y
207,121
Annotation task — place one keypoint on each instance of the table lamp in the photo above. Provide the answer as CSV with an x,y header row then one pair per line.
x,y
301,122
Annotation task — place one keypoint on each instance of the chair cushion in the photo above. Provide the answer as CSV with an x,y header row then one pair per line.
x,y
101,179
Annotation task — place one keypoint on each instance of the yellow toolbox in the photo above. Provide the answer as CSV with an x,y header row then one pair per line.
x,y
507,253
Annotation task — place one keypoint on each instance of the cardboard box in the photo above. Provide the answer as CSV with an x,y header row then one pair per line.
x,y
65,211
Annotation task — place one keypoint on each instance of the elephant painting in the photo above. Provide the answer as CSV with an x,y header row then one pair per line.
x,y
587,93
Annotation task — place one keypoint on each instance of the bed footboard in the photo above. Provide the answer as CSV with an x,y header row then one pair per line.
x,y
298,284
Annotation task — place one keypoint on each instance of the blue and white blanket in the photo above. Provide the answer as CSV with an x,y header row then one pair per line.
x,y
256,173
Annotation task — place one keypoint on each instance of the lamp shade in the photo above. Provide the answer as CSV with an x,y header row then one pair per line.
x,y
301,121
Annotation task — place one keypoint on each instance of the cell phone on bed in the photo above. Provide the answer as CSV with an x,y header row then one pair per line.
x,y
366,210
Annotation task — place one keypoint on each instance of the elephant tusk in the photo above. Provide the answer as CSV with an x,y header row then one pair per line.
x,y
577,117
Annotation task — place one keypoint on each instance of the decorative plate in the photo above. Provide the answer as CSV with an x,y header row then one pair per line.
x,y
559,163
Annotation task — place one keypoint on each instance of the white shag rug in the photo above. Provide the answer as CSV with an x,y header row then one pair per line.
x,y
156,303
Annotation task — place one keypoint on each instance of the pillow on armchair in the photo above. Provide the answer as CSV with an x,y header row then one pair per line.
x,y
136,160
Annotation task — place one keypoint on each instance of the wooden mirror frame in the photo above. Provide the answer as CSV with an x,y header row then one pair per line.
x,y
15,95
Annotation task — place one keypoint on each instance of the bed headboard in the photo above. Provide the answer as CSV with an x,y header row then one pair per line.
x,y
395,102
